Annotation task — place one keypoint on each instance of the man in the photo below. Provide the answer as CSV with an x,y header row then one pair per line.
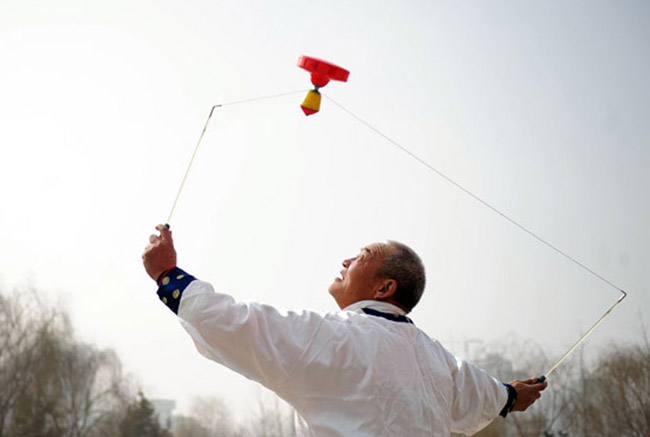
x,y
363,371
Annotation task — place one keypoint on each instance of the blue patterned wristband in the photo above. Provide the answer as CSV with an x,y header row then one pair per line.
x,y
171,287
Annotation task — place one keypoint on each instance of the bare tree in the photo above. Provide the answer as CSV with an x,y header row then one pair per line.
x,y
15,340
210,417
51,384
186,426
213,414
274,417
607,395
614,397
140,420
515,359
23,319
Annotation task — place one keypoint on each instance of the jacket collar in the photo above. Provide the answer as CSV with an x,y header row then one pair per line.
x,y
376,305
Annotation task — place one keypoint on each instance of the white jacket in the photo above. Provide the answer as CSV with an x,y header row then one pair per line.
x,y
345,373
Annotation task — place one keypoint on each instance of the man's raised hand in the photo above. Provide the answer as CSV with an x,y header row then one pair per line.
x,y
159,255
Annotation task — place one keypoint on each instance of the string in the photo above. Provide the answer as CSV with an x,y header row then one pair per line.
x,y
189,166
584,336
407,152
272,96
472,195
542,378
205,127
443,176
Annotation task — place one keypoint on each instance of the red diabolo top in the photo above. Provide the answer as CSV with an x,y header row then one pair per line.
x,y
322,71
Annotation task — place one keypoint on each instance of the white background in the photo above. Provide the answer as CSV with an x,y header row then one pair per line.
x,y
541,109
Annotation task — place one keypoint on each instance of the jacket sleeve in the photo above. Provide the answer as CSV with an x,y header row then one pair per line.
x,y
478,398
259,341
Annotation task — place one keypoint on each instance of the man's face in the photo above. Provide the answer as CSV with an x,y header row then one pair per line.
x,y
358,280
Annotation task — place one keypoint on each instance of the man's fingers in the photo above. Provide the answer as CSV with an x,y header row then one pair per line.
x,y
539,386
165,233
534,383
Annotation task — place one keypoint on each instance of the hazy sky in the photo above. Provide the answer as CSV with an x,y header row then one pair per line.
x,y
540,108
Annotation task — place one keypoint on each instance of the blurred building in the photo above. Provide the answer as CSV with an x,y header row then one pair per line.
x,y
164,409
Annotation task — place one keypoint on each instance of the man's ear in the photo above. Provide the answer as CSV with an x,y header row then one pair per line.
x,y
386,290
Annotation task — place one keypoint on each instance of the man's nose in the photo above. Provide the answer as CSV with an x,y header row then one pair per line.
x,y
346,263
